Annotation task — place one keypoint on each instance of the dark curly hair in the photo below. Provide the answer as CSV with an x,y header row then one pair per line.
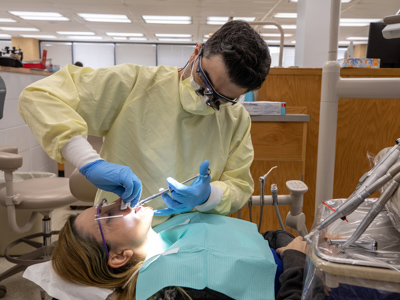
x,y
244,53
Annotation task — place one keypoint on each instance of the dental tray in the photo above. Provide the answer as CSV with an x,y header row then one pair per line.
x,y
381,231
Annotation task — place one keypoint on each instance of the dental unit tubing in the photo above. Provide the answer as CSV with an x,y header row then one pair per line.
x,y
295,219
374,211
353,202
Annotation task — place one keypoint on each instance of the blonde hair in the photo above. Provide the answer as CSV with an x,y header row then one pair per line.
x,y
81,259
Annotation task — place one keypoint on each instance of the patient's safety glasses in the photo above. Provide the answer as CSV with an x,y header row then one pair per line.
x,y
105,210
214,97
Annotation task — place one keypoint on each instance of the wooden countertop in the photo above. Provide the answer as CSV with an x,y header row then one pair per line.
x,y
25,71
281,118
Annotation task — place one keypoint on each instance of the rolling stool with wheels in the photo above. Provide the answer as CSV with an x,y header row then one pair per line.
x,y
40,196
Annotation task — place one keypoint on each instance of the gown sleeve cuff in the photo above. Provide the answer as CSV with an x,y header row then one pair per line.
x,y
79,152
214,199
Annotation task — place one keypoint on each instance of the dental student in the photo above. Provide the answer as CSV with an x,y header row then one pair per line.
x,y
157,123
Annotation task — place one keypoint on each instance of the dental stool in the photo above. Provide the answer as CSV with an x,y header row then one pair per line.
x,y
39,196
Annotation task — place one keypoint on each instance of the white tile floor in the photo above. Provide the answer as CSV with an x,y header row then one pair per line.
x,y
19,288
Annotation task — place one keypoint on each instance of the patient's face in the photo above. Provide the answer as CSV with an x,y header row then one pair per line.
x,y
127,232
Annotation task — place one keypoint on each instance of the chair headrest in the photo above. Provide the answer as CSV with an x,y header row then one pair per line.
x,y
81,188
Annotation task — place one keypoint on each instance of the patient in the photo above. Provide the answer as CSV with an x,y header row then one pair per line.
x,y
191,256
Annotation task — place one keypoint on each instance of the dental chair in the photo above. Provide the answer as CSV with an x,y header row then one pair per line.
x,y
39,196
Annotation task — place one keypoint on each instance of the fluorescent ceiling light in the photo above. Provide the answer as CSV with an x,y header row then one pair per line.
x,y
75,32
57,43
215,23
177,35
223,20
357,38
5,35
283,26
168,19
344,42
81,37
218,19
120,38
272,41
36,36
123,34
6,20
293,42
137,39
286,15
45,18
343,24
174,40
169,22
35,14
19,29
355,21
247,19
275,34
104,18
39,16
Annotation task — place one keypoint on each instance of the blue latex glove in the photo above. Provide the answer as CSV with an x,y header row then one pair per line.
x,y
114,178
184,198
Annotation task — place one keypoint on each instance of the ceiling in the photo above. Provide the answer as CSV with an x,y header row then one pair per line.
x,y
262,10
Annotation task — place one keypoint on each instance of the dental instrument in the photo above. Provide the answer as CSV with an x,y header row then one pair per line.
x,y
124,205
262,186
369,245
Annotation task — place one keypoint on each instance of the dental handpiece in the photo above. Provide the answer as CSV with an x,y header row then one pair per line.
x,y
163,191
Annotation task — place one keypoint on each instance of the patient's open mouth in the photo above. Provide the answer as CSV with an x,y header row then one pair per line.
x,y
137,208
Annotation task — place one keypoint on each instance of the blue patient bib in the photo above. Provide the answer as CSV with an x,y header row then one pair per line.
x,y
225,254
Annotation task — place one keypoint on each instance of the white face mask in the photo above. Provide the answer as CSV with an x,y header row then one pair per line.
x,y
241,99
192,102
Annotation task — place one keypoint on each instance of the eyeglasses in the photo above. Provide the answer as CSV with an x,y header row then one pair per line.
x,y
98,219
214,97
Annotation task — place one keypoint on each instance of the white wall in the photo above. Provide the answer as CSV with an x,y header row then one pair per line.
x,y
139,54
174,55
94,55
14,131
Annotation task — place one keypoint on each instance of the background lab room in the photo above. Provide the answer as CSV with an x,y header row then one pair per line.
x,y
324,127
